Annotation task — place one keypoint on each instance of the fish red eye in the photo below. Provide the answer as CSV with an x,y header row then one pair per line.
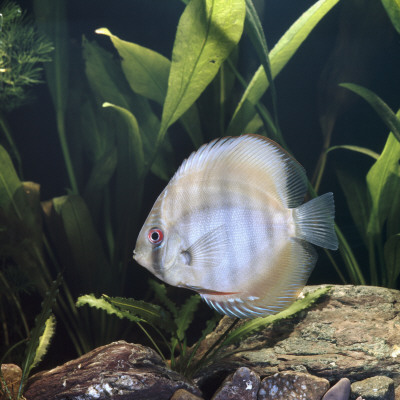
x,y
155,236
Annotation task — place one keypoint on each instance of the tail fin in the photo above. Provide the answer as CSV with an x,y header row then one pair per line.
x,y
315,222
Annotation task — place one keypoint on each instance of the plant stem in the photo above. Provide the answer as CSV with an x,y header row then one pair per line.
x,y
65,150
16,302
213,348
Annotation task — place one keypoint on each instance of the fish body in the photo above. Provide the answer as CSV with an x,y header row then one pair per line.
x,y
230,225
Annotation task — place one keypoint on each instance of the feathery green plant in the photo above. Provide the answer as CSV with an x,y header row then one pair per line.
x,y
170,323
22,52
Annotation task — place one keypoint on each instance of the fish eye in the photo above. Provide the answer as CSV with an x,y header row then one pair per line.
x,y
155,236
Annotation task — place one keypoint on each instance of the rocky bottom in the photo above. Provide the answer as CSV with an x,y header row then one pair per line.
x,y
347,346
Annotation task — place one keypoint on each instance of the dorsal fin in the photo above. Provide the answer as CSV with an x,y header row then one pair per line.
x,y
252,159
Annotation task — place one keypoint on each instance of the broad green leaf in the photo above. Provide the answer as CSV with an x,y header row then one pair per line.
x,y
132,141
357,149
279,57
105,76
109,85
299,305
392,259
21,223
147,73
357,198
78,244
146,70
9,185
392,8
207,32
382,109
185,315
383,180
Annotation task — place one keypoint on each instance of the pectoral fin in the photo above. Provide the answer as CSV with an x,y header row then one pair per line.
x,y
209,249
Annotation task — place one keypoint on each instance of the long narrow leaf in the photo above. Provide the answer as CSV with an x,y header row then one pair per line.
x,y
382,109
357,149
254,29
279,57
38,330
383,181
392,260
44,340
51,21
392,8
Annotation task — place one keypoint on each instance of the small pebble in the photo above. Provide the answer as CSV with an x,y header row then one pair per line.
x,y
340,391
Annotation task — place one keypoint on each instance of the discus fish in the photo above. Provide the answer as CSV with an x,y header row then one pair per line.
x,y
230,225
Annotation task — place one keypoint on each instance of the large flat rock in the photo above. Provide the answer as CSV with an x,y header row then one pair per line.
x,y
353,332
120,370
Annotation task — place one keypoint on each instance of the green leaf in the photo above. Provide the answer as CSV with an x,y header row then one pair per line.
x,y
109,85
185,315
146,70
151,313
160,292
392,260
78,244
103,304
357,149
132,142
9,185
299,305
37,331
279,57
383,180
254,29
44,340
207,32
147,73
392,8
357,198
52,23
382,109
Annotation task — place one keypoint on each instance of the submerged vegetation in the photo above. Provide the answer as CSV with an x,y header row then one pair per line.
x,y
118,118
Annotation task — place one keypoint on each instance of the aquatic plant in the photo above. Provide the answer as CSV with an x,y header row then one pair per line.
x,y
37,343
170,324
117,118
22,52
373,201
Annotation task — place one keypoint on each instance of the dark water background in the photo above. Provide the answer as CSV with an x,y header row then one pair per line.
x,y
152,23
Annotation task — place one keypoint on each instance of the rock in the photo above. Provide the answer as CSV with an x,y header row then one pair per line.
x,y
242,385
376,388
397,393
119,370
353,332
292,385
183,394
12,375
340,391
